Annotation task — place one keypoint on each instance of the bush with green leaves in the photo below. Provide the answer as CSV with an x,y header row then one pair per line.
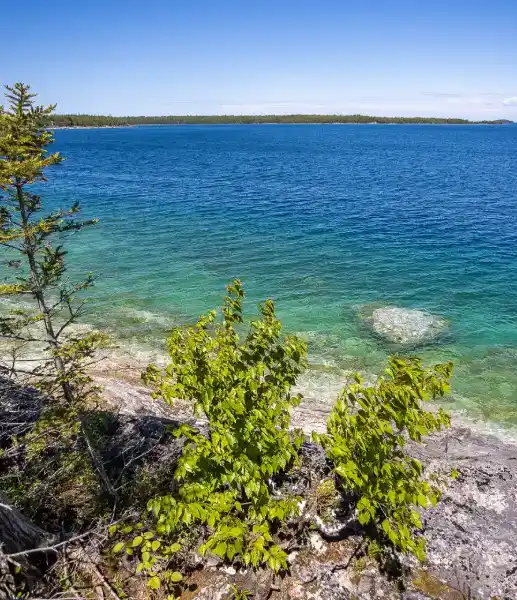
x,y
243,386
366,439
155,554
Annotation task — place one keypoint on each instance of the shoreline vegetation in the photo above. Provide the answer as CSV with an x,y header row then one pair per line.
x,y
78,121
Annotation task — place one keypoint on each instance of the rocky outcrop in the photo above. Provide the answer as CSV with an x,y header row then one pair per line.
x,y
471,534
471,539
404,326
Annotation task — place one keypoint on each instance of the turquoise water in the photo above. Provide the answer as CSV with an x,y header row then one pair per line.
x,y
327,220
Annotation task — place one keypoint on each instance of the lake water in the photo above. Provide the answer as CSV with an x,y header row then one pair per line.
x,y
327,220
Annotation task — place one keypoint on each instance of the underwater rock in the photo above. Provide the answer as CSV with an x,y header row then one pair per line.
x,y
406,326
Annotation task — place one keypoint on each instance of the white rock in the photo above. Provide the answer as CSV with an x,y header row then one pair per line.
x,y
317,542
406,326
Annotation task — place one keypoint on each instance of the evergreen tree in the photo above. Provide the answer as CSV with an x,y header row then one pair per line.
x,y
45,347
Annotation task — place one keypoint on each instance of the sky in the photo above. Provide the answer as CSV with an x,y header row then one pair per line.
x,y
452,58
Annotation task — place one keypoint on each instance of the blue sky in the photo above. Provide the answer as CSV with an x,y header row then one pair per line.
x,y
382,57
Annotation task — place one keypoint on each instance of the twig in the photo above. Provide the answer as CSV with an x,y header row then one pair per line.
x,y
133,460
97,463
67,575
101,577
49,548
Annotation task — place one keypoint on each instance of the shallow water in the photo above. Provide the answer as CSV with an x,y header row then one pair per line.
x,y
327,220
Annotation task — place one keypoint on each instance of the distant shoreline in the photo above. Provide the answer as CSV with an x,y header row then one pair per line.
x,y
54,127
128,126
83,121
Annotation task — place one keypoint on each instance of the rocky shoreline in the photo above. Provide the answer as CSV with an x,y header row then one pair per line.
x,y
471,535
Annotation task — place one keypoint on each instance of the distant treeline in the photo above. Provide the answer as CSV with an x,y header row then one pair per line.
x,y
108,121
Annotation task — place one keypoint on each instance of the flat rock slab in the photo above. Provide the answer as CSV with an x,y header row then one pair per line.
x,y
472,533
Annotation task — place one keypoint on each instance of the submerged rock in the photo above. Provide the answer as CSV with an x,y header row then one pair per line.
x,y
406,326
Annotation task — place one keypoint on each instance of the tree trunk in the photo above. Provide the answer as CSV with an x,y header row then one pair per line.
x,y
17,533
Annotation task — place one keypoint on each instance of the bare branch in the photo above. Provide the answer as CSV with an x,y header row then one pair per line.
x,y
52,548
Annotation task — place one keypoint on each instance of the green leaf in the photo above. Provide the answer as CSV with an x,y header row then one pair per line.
x,y
422,500
220,549
118,547
154,583
176,577
386,526
364,517
231,551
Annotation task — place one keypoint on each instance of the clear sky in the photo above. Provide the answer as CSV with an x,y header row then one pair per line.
x,y
154,57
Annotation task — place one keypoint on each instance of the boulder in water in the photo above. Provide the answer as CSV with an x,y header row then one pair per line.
x,y
406,326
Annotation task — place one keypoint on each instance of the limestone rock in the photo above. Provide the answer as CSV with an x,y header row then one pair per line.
x,y
472,533
404,326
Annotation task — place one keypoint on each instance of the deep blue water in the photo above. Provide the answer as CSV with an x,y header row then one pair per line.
x,y
324,219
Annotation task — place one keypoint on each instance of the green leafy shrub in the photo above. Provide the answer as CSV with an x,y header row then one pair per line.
x,y
238,594
243,387
154,553
367,432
